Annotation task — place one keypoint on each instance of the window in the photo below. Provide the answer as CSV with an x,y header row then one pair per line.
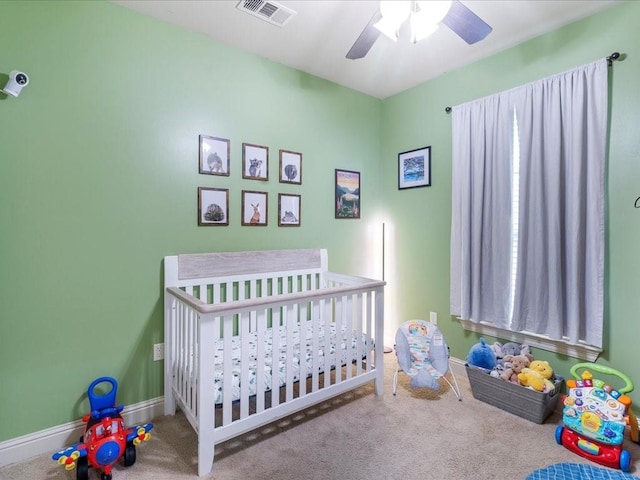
x,y
527,234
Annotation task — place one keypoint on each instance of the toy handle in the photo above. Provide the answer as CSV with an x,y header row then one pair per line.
x,y
628,387
100,402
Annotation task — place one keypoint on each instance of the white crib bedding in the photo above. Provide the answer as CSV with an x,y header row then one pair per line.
x,y
326,346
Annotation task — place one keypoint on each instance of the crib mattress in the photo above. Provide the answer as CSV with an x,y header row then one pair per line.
x,y
303,336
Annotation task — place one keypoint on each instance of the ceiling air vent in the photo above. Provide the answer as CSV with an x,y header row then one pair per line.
x,y
271,12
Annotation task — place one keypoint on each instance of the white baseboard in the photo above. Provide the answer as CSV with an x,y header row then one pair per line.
x,y
56,438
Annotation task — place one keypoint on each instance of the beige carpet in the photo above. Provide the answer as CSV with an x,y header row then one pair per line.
x,y
419,434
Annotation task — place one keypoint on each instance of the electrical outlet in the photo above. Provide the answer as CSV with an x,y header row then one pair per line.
x,y
158,351
433,318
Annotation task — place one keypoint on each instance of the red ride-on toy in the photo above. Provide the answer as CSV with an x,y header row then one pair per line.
x,y
595,417
106,438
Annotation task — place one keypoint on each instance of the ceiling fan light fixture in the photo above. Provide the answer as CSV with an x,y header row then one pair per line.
x,y
421,29
426,16
433,11
388,28
456,16
394,13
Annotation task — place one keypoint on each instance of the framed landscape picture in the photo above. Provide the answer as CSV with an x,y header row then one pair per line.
x,y
347,194
414,168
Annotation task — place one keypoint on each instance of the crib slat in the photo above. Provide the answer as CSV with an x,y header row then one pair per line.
x,y
302,356
357,312
326,342
304,326
275,359
244,363
340,312
316,318
253,293
227,369
261,331
228,292
348,335
288,316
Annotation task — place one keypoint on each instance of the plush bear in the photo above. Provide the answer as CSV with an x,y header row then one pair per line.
x,y
516,364
537,376
481,355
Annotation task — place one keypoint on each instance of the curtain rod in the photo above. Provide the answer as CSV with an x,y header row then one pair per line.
x,y
610,59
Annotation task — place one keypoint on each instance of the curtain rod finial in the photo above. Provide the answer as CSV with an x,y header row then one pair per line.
x,y
612,57
447,109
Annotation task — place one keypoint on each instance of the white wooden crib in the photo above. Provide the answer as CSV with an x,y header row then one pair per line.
x,y
226,312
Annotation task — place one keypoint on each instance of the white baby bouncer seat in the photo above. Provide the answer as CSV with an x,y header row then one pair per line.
x,y
423,354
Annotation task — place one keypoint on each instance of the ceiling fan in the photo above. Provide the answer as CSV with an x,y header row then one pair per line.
x,y
424,17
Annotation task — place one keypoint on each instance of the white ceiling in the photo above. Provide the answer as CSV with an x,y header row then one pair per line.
x,y
318,37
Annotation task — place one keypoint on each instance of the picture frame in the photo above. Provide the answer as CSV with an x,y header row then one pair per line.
x,y
290,167
347,194
213,207
214,156
255,162
414,168
254,208
289,208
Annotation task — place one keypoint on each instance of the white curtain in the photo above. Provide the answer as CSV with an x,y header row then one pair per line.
x,y
480,233
562,130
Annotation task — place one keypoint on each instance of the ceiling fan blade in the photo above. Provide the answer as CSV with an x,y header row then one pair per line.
x,y
367,38
466,24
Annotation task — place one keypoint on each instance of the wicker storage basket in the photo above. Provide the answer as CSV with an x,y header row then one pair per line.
x,y
515,399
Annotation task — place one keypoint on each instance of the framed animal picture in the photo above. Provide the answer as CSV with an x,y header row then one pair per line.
x,y
255,162
213,207
254,208
290,167
214,155
288,210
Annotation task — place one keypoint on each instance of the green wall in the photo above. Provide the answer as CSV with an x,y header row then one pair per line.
x,y
99,178
422,216
99,174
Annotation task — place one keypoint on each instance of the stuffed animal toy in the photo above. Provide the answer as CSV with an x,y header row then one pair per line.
x,y
509,348
481,355
545,370
537,376
531,378
516,364
497,370
542,367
